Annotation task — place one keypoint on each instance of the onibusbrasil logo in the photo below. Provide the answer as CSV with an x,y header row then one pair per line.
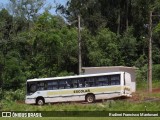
x,y
21,114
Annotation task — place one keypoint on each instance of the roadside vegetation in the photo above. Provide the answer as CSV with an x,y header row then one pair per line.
x,y
109,105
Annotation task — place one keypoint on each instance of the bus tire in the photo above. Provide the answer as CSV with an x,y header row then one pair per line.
x,y
40,101
90,98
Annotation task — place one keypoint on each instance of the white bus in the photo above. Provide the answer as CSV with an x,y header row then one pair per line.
x,y
78,88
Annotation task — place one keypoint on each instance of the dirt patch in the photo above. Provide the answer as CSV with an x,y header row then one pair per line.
x,y
157,90
136,97
20,102
141,96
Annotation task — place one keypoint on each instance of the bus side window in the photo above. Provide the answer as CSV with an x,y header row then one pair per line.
x,y
64,84
105,81
102,81
52,85
73,83
115,80
86,84
89,82
67,84
61,84
81,83
41,86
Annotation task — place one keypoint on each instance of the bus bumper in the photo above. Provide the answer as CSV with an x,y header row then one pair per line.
x,y
30,101
127,95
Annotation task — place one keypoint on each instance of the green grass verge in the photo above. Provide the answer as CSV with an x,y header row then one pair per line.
x,y
142,85
109,105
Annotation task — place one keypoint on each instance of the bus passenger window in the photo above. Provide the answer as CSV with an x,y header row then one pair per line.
x,y
89,82
64,84
81,83
86,84
41,86
52,85
115,80
67,85
61,84
102,81
49,88
73,83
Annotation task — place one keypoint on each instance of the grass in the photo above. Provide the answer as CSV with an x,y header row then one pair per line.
x,y
109,105
143,85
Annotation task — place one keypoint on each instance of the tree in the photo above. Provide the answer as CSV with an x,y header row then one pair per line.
x,y
103,49
128,48
115,15
5,24
13,76
25,11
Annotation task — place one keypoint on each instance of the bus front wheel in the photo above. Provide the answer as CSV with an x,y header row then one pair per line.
x,y
90,98
40,101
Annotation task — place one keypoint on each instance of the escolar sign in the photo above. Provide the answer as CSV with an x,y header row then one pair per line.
x,y
81,91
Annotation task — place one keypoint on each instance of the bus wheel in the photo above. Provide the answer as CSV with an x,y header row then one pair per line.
x,y
90,98
40,101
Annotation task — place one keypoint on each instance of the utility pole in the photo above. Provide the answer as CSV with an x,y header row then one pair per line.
x,y
79,46
150,54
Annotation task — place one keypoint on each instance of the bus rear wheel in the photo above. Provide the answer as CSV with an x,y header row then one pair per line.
x,y
90,98
40,101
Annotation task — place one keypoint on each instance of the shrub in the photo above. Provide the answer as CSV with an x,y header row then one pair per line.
x,y
142,75
1,94
156,72
19,94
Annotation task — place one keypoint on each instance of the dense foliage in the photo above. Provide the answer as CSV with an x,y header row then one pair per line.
x,y
34,44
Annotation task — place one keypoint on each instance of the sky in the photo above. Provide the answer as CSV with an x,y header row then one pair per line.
x,y
48,2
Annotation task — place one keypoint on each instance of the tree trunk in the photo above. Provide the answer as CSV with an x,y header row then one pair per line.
x,y
118,22
127,14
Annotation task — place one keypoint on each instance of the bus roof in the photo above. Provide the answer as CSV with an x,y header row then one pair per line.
x,y
75,76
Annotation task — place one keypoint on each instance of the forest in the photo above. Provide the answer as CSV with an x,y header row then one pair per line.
x,y
36,44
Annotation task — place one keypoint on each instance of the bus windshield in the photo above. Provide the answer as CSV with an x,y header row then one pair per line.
x,y
31,88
